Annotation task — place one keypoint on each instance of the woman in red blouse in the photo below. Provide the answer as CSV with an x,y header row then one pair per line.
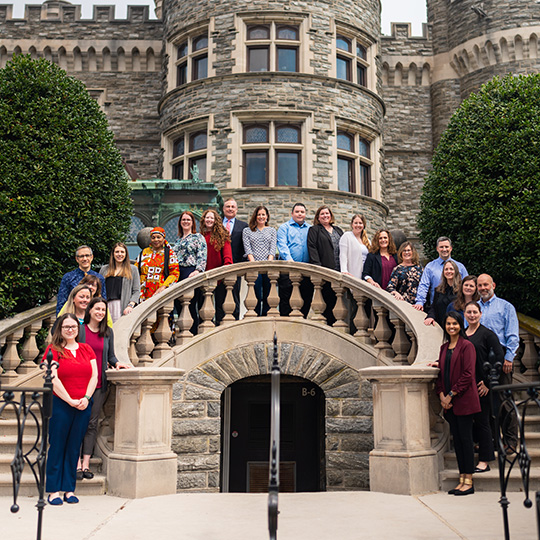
x,y
219,253
74,382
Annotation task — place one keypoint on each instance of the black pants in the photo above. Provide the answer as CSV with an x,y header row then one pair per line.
x,y
330,299
482,431
195,303
285,292
507,417
461,428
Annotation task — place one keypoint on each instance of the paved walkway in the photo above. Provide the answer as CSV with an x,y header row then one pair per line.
x,y
310,516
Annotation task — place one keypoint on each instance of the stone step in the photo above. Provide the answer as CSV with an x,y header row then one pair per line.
x,y
95,486
9,442
489,481
96,465
450,461
10,427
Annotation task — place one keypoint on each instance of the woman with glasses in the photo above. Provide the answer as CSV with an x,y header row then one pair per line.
x,y
74,382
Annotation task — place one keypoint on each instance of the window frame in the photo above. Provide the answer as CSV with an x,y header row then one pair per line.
x,y
185,160
357,181
189,62
356,63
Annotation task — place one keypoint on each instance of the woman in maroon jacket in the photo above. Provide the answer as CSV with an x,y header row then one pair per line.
x,y
456,388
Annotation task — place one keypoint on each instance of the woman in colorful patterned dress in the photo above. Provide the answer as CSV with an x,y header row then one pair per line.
x,y
405,277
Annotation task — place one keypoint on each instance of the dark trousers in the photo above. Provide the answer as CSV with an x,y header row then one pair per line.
x,y
220,292
330,299
236,296
98,399
482,431
196,302
507,417
66,431
461,428
285,292
262,290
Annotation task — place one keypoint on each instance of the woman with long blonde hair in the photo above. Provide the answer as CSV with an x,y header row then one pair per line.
x,y
354,247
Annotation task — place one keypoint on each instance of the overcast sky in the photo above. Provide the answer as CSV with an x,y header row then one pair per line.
x,y
413,11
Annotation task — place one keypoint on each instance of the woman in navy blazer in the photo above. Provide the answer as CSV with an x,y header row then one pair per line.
x,y
456,388
382,246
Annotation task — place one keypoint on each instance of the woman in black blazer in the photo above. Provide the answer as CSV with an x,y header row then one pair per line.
x,y
381,260
323,248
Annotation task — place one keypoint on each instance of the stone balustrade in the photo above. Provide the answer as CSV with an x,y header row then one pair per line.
x,y
19,335
370,315
529,333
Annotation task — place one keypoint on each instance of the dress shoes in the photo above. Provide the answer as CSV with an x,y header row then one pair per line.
x,y
71,499
57,501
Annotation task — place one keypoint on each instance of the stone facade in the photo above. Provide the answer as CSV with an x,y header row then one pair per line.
x,y
197,412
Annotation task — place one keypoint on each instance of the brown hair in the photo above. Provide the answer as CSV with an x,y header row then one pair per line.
x,y
103,327
218,234
414,259
365,239
253,219
375,248
90,279
125,265
319,210
193,226
456,282
57,342
459,302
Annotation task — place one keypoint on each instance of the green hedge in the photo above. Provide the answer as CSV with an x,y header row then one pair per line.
x,y
62,181
484,189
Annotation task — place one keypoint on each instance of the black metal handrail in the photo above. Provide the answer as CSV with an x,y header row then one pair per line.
x,y
29,407
503,405
273,480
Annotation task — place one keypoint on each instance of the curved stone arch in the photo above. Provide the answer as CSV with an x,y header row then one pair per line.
x,y
456,65
504,50
77,59
135,59
3,56
47,54
62,58
426,74
533,46
92,60
120,59
197,398
478,57
518,47
106,59
150,59
385,72
412,74
398,74
33,53
17,50
490,53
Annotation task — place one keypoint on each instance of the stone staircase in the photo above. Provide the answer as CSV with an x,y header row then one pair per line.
x,y
8,440
489,481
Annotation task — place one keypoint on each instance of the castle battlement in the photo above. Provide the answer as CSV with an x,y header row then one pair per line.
x,y
62,11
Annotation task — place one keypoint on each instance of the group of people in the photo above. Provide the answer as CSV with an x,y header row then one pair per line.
x,y
478,326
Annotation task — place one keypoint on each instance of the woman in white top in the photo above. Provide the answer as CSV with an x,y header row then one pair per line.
x,y
353,247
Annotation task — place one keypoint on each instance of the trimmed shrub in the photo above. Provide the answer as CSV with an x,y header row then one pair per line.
x,y
62,182
484,189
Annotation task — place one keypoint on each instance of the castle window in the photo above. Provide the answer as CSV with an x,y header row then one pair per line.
x,y
353,163
272,154
272,47
351,60
192,59
189,149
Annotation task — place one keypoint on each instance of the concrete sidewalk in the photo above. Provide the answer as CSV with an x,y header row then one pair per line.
x,y
313,516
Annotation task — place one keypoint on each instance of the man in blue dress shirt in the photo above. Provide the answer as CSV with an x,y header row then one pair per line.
x,y
500,317
292,246
433,272
84,257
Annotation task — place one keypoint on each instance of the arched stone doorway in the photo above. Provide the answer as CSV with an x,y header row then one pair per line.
x,y
245,435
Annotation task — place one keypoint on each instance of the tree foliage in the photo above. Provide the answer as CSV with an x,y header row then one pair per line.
x,y
484,189
62,182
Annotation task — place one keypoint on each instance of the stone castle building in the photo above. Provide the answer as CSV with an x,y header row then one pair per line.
x,y
279,101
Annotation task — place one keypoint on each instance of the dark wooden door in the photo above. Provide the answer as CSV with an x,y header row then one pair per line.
x,y
302,435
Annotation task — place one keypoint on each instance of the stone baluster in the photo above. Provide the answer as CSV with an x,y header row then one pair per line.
x,y
207,311
361,320
30,349
414,347
11,359
184,321
132,352
49,323
317,304
145,344
229,304
382,332
530,356
163,332
400,343
251,298
296,298
273,297
340,310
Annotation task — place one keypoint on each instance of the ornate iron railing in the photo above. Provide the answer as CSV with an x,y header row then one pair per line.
x,y
504,405
273,480
29,410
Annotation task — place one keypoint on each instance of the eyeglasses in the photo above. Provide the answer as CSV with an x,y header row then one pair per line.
x,y
84,256
69,327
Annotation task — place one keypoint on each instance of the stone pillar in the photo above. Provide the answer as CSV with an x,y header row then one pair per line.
x,y
402,460
142,463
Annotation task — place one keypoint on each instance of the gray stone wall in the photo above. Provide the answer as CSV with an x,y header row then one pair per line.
x,y
197,413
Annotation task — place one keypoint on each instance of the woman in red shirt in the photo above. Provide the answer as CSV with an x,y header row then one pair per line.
x,y
219,253
74,382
